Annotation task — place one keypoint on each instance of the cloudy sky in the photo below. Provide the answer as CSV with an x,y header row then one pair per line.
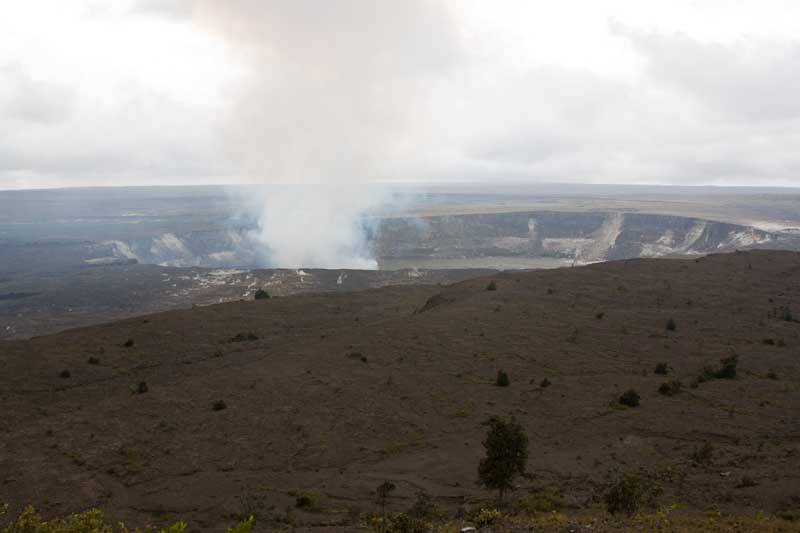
x,y
143,92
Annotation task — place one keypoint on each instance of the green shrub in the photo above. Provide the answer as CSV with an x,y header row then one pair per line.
x,y
91,521
261,294
661,369
544,501
630,398
629,493
306,499
502,379
242,526
492,286
506,446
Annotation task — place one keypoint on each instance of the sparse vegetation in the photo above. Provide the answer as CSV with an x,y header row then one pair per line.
x,y
629,398
703,455
383,491
628,494
670,388
727,370
91,521
506,446
306,499
661,369
261,294
746,482
543,501
502,379
244,337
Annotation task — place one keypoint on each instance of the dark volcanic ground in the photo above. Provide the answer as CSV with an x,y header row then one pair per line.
x,y
337,392
39,303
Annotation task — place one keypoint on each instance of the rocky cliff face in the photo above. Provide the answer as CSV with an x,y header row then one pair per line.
x,y
585,237
582,237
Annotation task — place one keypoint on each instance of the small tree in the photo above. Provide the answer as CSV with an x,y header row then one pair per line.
x,y
261,294
506,454
383,491
502,379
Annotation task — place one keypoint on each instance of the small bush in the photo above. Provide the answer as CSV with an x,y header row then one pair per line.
x,y
487,517
786,314
769,342
746,482
91,521
703,455
423,507
492,286
626,495
600,315
630,398
243,337
405,523
93,360
219,405
306,499
661,369
65,373
545,383
242,526
772,375
141,388
261,294
670,388
128,343
728,368
544,501
502,379
671,326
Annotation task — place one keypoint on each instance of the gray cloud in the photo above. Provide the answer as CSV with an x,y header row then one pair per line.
x,y
750,80
359,91
24,100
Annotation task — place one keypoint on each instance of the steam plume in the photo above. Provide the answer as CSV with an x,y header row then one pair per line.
x,y
327,108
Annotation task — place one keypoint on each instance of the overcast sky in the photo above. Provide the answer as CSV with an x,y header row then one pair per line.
x,y
204,91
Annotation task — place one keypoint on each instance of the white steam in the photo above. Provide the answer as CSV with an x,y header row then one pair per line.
x,y
333,93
